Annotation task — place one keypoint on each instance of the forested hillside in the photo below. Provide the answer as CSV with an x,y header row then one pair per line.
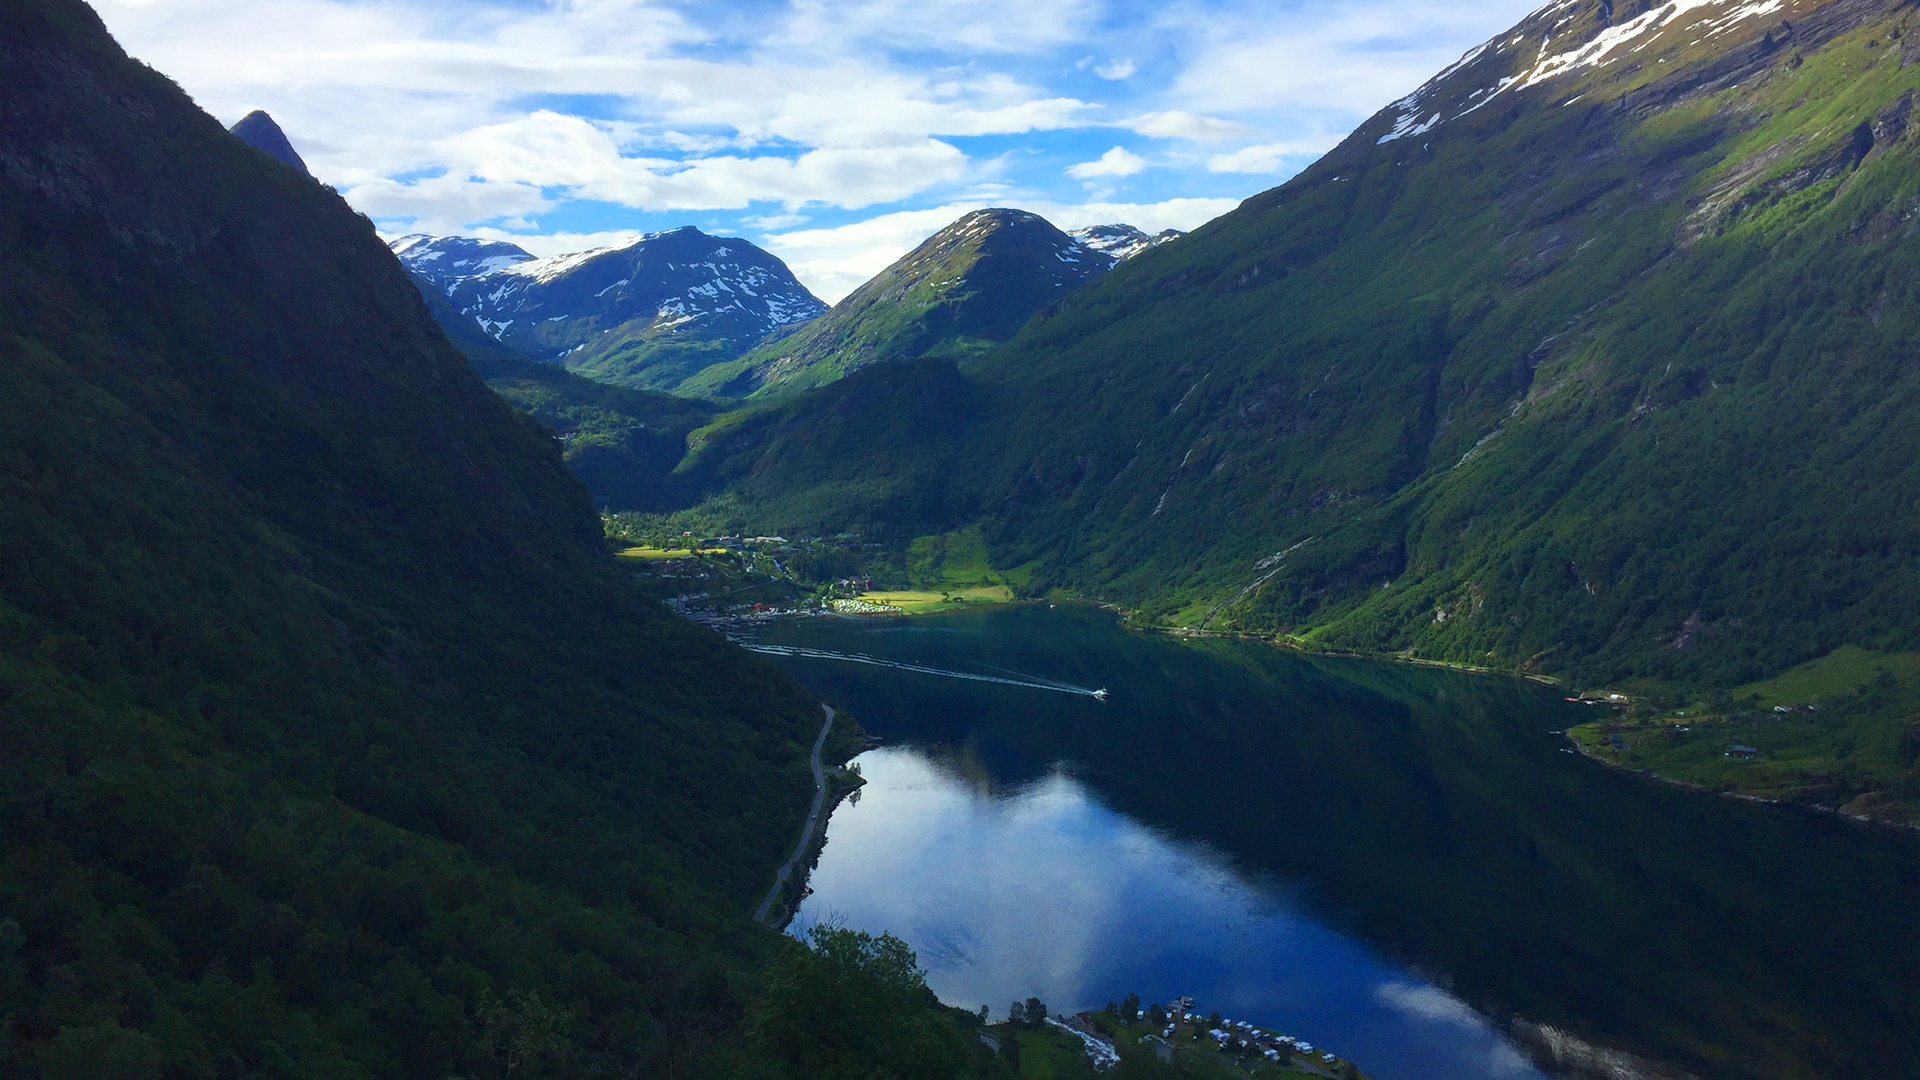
x,y
331,743
1598,355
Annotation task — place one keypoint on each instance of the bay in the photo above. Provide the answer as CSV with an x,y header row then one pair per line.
x,y
1400,864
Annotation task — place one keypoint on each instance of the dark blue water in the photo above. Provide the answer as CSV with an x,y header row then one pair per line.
x,y
1397,864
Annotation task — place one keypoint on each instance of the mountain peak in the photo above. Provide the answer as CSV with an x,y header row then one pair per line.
x,y
258,130
446,261
965,289
648,310
1122,241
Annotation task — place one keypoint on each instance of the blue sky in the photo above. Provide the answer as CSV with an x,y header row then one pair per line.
x,y
837,135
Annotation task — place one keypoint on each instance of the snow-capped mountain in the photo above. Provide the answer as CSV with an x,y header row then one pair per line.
x,y
1569,42
446,261
648,312
1122,242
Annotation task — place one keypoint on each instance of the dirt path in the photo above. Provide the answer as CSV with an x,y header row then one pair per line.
x,y
813,820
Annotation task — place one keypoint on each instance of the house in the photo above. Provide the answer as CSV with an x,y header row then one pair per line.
x,y
1743,753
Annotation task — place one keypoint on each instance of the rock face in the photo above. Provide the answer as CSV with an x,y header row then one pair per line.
x,y
1122,242
647,313
258,130
969,287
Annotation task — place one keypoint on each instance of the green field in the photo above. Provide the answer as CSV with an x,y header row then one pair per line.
x,y
1840,671
656,553
1841,731
956,564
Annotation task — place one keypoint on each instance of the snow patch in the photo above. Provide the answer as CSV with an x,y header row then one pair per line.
x,y
1596,52
1406,127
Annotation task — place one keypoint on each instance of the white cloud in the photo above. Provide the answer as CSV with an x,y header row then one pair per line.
x,y
373,87
444,204
1006,26
771,222
1115,162
834,261
559,243
1180,124
1351,57
515,109
551,150
1269,158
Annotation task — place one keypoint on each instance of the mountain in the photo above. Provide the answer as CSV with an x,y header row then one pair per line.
x,y
334,744
647,313
1122,242
624,444
968,287
1596,355
258,130
443,262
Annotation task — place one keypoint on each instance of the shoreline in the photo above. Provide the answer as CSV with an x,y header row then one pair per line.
x,y
814,822
789,908
1808,805
1609,696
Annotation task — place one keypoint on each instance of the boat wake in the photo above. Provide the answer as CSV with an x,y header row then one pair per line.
x,y
1030,682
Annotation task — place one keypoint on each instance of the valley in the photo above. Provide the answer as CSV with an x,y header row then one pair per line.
x,y
1460,606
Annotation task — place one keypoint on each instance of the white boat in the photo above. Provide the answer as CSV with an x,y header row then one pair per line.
x,y
1100,694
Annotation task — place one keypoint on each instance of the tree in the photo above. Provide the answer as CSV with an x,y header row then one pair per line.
x,y
852,1006
1130,1008
1010,1051
1017,1014
1157,1016
1213,1018
1036,1012
524,1033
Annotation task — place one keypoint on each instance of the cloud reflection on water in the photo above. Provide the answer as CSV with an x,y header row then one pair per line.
x,y
1043,890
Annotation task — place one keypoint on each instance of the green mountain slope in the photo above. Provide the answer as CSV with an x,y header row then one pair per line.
x,y
967,288
623,444
1597,355
331,744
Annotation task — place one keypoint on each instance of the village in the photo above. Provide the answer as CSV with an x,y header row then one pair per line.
x,y
1174,1033
729,582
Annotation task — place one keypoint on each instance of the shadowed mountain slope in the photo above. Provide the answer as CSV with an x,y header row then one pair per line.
x,y
258,130
330,742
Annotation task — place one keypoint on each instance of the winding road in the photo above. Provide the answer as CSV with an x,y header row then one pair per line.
x,y
813,820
